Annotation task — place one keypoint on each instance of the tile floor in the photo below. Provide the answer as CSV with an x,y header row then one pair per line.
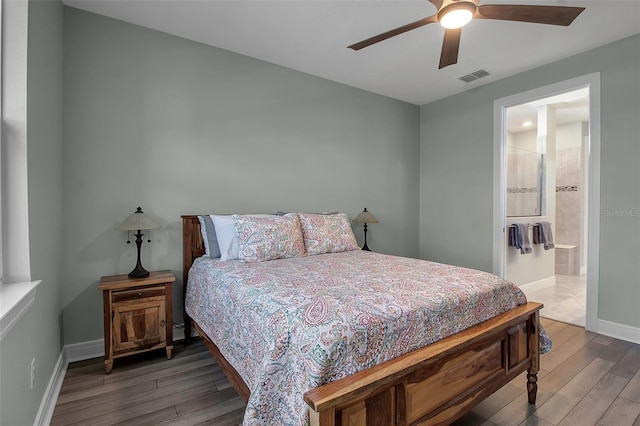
x,y
564,300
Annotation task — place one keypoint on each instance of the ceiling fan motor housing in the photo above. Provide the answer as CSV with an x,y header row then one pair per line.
x,y
445,15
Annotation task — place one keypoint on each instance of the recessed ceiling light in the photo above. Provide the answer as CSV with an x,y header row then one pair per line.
x,y
527,123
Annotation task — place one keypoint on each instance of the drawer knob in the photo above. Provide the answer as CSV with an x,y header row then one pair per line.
x,y
139,295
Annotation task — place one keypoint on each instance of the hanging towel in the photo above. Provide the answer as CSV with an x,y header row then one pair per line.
x,y
522,237
512,236
545,236
537,234
538,237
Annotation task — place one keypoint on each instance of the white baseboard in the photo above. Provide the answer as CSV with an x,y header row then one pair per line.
x,y
540,284
619,331
48,404
178,334
95,348
84,350
72,353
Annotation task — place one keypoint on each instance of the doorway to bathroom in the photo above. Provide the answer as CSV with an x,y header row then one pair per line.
x,y
547,158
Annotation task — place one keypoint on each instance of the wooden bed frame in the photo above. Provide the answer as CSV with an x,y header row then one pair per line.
x,y
433,385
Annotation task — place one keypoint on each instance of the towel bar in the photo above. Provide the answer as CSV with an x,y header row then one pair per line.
x,y
528,225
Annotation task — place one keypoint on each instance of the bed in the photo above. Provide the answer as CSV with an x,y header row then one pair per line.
x,y
395,380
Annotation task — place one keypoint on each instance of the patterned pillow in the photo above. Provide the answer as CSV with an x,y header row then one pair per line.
x,y
327,233
268,238
227,236
281,213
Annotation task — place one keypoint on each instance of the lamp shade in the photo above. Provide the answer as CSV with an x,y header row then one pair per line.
x,y
138,220
365,217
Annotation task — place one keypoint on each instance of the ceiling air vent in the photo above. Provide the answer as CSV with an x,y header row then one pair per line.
x,y
474,76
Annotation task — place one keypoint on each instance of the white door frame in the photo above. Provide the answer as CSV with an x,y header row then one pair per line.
x,y
592,81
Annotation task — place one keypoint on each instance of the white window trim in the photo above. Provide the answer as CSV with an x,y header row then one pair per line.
x,y
15,300
17,291
1,124
15,203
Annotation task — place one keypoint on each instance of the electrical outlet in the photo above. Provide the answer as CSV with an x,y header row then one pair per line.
x,y
32,371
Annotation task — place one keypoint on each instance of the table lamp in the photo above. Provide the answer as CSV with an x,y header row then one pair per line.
x,y
365,217
138,221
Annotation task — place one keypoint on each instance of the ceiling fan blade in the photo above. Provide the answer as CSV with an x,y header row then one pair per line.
x,y
552,15
437,3
394,32
450,47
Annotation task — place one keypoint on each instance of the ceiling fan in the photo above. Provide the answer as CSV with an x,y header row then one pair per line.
x,y
454,14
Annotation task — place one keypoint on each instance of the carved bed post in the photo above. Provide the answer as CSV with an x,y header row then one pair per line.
x,y
192,247
534,345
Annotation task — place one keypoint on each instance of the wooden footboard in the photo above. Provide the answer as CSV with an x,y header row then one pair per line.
x,y
439,383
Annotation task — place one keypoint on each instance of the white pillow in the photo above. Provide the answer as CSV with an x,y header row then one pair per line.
x,y
227,235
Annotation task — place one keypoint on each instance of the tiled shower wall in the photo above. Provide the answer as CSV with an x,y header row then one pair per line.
x,y
568,196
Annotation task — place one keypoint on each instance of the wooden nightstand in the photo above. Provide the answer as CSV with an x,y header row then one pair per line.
x,y
137,315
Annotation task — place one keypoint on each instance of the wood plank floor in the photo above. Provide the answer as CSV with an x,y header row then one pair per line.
x,y
586,379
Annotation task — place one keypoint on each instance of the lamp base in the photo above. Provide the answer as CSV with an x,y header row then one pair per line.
x,y
365,247
139,272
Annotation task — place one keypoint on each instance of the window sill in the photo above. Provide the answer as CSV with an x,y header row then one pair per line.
x,y
15,300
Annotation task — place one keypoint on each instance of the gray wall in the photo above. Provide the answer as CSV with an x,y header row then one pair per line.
x,y
177,127
38,333
456,172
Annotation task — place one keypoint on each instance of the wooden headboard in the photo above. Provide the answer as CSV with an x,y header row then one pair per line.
x,y
192,244
192,248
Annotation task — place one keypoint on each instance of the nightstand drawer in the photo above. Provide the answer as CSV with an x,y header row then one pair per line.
x,y
136,294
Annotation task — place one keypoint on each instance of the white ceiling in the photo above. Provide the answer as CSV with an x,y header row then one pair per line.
x,y
312,36
569,107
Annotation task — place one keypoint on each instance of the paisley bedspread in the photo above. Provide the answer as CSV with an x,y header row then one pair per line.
x,y
291,325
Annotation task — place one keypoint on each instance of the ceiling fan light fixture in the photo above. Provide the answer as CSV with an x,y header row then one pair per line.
x,y
456,15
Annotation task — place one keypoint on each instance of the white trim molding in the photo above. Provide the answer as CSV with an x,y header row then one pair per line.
x,y
16,266
48,404
95,348
70,353
591,81
74,352
84,350
15,301
619,331
538,285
